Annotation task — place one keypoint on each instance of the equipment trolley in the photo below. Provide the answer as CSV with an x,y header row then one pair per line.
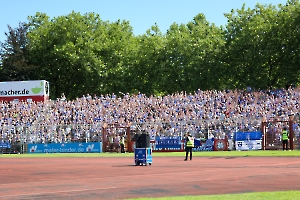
x,y
142,156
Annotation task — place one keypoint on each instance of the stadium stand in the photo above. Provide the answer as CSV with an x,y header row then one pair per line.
x,y
203,113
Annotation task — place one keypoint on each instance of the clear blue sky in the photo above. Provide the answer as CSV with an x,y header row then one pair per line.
x,y
141,14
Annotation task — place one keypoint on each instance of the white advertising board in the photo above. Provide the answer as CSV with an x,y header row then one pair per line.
x,y
24,88
248,145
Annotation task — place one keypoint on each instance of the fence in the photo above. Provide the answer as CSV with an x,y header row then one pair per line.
x,y
220,129
296,128
84,133
87,147
54,134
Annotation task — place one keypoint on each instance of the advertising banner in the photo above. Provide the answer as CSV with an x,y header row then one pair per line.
x,y
248,145
245,141
197,142
89,147
241,136
167,144
220,145
5,145
24,88
207,145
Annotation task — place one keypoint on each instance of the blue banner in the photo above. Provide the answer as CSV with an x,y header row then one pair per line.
x,y
241,136
197,142
89,147
4,145
168,143
208,145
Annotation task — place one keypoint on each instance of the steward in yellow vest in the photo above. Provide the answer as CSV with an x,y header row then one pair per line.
x,y
189,145
285,139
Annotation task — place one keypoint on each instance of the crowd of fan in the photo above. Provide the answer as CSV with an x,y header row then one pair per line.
x,y
81,119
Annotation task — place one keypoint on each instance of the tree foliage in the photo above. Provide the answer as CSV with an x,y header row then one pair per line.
x,y
82,54
14,55
259,47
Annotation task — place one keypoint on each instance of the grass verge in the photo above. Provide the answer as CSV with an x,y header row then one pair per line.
x,y
282,195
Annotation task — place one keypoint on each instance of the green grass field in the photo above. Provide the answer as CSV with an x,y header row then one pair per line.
x,y
283,195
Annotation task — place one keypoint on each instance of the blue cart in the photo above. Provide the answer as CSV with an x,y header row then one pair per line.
x,y
142,156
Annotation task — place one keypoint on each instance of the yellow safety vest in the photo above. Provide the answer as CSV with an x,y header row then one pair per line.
x,y
285,135
121,140
190,142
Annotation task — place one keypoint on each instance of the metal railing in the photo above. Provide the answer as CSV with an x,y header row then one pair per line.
x,y
52,133
220,129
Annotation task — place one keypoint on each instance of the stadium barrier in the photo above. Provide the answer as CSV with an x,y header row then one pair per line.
x,y
10,147
165,136
5,147
89,147
248,140
176,144
166,144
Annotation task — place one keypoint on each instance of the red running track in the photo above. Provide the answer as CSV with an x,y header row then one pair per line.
x,y
117,178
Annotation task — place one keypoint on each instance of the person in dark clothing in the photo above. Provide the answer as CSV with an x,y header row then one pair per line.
x,y
122,144
189,145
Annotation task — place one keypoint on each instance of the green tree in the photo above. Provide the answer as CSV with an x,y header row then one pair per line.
x,y
288,19
191,56
205,64
259,47
146,68
114,42
14,55
244,35
82,54
64,48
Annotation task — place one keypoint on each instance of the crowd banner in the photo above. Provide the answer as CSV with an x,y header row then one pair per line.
x,y
5,145
248,145
197,142
207,145
240,136
248,141
176,144
167,144
89,147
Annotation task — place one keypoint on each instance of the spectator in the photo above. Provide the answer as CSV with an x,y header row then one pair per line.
x,y
221,112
